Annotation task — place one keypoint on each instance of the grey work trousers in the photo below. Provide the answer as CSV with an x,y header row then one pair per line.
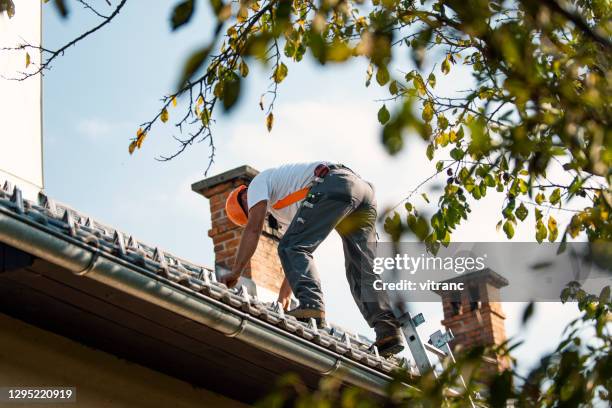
x,y
345,202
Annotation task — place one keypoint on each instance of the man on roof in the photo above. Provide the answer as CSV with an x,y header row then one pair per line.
x,y
309,200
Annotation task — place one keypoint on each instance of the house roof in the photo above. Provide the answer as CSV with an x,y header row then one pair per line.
x,y
193,285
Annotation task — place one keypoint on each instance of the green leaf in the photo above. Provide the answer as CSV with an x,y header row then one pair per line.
x,y
509,229
555,197
457,153
419,226
383,115
528,312
205,117
419,85
393,226
446,66
521,212
244,69
425,197
193,64
231,92
382,76
553,232
541,231
393,88
442,122
182,13
430,151
280,73
431,80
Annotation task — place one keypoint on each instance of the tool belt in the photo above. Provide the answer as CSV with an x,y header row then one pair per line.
x,y
320,172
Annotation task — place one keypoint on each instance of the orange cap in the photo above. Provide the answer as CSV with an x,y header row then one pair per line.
x,y
233,209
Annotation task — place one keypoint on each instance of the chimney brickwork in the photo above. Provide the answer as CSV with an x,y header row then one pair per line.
x,y
264,268
476,318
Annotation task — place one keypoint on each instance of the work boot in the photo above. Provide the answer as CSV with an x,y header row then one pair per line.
x,y
389,340
305,314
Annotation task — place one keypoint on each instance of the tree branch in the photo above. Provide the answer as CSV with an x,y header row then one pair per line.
x,y
53,54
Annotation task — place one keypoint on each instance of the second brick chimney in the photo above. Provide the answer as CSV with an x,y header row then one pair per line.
x,y
476,317
264,268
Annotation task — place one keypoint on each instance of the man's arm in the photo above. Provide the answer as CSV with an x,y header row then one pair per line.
x,y
248,242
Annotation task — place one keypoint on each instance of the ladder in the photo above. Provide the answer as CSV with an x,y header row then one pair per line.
x,y
437,344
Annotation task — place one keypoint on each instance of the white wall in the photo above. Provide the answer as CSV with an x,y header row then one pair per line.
x,y
21,102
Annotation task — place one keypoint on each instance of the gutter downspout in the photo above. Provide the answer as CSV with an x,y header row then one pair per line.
x,y
28,236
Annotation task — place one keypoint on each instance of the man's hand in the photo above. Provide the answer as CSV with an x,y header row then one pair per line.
x,y
230,279
284,295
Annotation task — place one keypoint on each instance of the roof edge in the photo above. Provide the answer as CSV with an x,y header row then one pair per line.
x,y
103,267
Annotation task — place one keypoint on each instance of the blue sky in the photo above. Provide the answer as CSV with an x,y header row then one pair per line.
x,y
99,92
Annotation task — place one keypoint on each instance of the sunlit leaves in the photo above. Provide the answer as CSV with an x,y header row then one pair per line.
x,y
537,97
182,13
28,59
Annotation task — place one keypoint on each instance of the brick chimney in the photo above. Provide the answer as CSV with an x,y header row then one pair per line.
x,y
264,267
475,316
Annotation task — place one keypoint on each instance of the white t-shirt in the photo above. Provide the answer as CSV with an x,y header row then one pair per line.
x,y
276,183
